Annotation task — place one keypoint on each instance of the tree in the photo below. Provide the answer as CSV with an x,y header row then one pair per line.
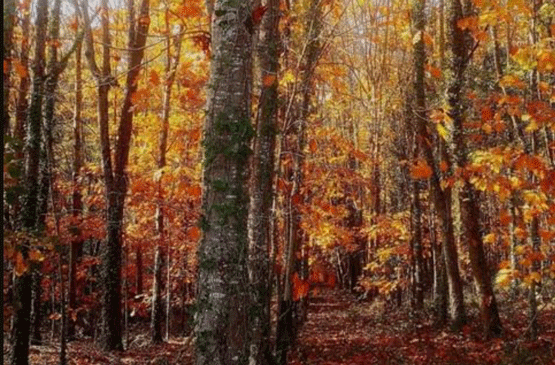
x,y
470,211
9,22
114,176
262,186
29,213
222,302
172,62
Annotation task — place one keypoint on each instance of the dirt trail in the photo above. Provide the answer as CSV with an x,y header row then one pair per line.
x,y
341,330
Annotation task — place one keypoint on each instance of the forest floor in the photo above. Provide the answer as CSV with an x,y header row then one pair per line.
x,y
341,330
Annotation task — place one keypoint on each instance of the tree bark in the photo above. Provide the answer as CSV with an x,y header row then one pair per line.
x,y
419,19
296,118
469,206
114,177
77,203
222,301
261,190
9,23
22,103
23,283
172,61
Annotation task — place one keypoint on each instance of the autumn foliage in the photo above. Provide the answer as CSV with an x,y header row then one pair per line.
x,y
358,167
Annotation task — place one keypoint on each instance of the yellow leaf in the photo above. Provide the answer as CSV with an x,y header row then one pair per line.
x,y
36,255
532,126
512,81
490,238
288,77
504,277
442,131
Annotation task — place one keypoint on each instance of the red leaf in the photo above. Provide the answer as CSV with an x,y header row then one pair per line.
x,y
258,13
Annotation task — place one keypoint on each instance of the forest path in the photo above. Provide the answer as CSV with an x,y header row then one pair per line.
x,y
341,330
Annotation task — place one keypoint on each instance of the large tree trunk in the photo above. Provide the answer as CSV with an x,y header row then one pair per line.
x,y
261,191
222,301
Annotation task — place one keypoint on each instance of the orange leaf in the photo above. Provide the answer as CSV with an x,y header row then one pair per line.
x,y
428,40
189,10
20,264
313,146
6,67
268,80
195,191
361,156
300,288
20,69
443,166
194,233
153,78
434,71
487,114
144,20
74,24
36,255
504,218
420,170
470,22
55,43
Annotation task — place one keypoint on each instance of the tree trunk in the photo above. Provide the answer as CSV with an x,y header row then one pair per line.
x,y
222,301
23,284
156,317
296,118
172,61
77,203
9,23
419,19
469,206
139,287
22,103
261,190
115,179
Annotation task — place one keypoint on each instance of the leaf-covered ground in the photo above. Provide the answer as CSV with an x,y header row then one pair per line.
x,y
341,330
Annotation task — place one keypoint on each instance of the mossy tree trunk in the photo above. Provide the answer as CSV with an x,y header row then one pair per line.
x,y
223,298
23,284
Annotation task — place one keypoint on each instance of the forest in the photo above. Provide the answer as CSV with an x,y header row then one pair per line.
x,y
273,182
